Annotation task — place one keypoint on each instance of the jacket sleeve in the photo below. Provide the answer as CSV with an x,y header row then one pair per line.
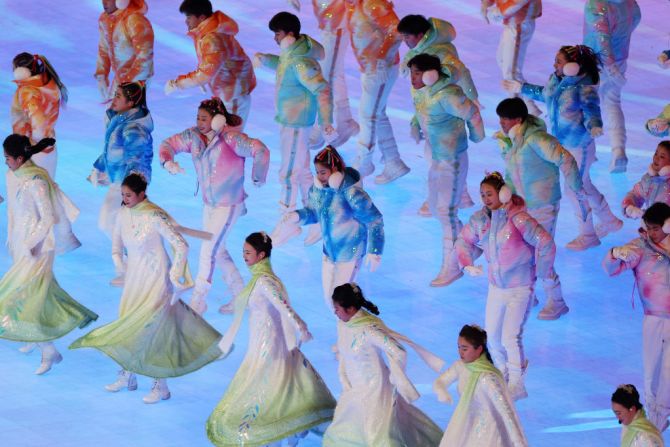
x,y
251,147
460,74
664,115
536,236
549,149
595,15
510,7
615,266
459,105
29,100
308,72
39,191
635,196
467,242
270,61
103,64
212,55
590,103
179,246
533,91
179,142
142,38
367,213
137,150
307,215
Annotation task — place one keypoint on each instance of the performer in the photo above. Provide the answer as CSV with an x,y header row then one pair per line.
x,y
126,45
218,149
128,148
375,40
571,95
654,186
485,415
660,126
39,96
156,334
301,92
276,393
649,259
518,251
374,408
352,226
637,430
223,65
608,26
664,59
442,112
518,19
33,306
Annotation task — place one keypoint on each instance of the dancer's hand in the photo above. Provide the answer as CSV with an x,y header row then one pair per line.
x,y
295,4
103,87
621,253
511,86
474,270
657,125
257,61
170,87
372,261
633,212
596,132
173,167
98,178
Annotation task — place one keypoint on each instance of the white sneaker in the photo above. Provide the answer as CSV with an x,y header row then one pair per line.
x,y
348,129
48,360
424,211
313,234
446,278
583,242
27,348
363,164
392,170
553,311
125,379
159,391
611,226
619,161
228,308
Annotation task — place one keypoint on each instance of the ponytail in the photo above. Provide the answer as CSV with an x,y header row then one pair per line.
x,y
477,337
215,106
40,65
17,146
136,93
350,295
49,69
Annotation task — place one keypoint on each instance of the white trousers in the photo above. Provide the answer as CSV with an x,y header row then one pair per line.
x,y
332,65
294,173
446,183
546,216
239,106
110,209
506,313
512,49
610,103
335,274
47,161
219,221
656,362
374,123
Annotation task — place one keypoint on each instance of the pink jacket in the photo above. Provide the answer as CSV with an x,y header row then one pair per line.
x,y
653,187
650,264
517,248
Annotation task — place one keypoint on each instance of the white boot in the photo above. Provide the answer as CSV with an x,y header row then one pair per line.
x,y
199,297
49,356
117,281
313,234
159,391
609,223
363,163
515,384
450,270
424,211
27,348
587,237
466,200
125,379
555,306
619,161
393,169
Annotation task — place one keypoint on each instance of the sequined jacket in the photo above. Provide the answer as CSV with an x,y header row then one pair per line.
x,y
126,44
532,163
372,25
219,164
573,107
330,14
651,188
301,89
437,41
35,108
608,25
222,63
642,438
515,12
650,264
664,115
442,112
350,223
128,145
516,247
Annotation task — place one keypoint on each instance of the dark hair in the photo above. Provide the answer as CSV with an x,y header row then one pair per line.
x,y
38,64
17,146
586,58
330,158
215,106
135,182
196,8
136,93
627,396
512,108
350,295
494,179
285,21
665,144
413,24
261,242
476,336
656,214
425,62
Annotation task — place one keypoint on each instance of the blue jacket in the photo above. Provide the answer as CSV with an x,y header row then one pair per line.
x,y
608,25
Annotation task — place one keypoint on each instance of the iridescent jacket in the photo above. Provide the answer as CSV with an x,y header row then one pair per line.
x,y
608,25
653,187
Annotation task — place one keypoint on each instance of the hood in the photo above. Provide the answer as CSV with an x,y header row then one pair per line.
x,y
38,80
441,32
305,46
140,116
217,23
532,125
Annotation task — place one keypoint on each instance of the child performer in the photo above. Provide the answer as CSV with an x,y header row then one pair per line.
x,y
571,95
301,92
374,408
222,63
637,431
125,46
443,111
33,307
485,414
276,393
218,149
156,334
351,224
517,250
128,148
608,26
660,126
39,96
649,259
654,186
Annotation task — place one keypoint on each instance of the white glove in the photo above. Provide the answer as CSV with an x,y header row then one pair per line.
x,y
657,125
372,261
258,61
596,132
329,133
98,178
484,11
416,134
170,87
173,167
633,212
474,270
382,73
511,86
103,87
494,15
663,60
295,4
621,253
286,229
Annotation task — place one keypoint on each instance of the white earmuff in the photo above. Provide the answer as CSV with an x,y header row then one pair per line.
x,y
287,41
571,69
335,180
505,194
665,171
21,73
430,77
122,4
666,226
218,122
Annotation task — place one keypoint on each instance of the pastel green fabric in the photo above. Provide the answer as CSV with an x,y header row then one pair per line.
x,y
640,424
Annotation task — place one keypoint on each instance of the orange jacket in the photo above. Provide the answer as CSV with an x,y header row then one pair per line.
x,y
222,63
35,108
330,14
126,44
374,36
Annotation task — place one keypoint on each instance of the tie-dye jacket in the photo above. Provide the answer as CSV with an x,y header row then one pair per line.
x,y
665,116
35,108
515,12
222,63
517,248
128,145
442,111
374,35
219,164
653,187
330,14
532,163
350,223
650,264
573,107
608,25
126,44
301,89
